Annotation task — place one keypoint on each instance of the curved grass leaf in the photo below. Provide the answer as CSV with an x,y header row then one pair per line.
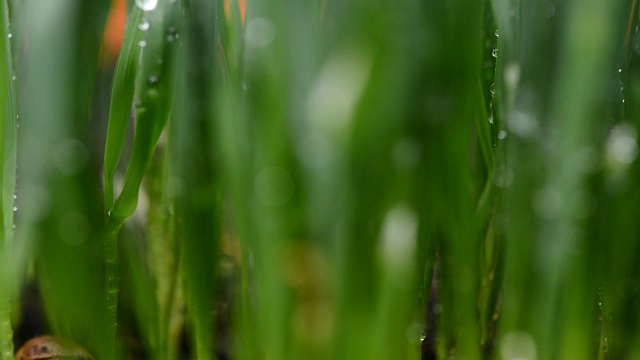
x,y
121,100
152,100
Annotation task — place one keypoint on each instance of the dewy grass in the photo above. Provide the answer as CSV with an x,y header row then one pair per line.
x,y
8,116
324,179
153,97
121,101
119,113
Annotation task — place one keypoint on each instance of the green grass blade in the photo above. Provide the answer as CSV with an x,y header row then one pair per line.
x,y
197,200
450,85
119,114
164,255
153,97
359,155
250,147
616,193
60,218
586,54
547,253
121,100
8,137
142,297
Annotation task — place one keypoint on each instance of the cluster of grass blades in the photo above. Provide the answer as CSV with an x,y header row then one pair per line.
x,y
321,179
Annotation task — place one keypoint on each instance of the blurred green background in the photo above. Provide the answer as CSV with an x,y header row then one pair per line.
x,y
321,179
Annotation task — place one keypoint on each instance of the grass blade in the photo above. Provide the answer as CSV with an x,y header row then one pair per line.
x,y
8,114
197,200
153,97
60,219
121,100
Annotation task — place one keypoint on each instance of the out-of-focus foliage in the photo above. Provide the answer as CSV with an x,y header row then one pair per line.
x,y
321,179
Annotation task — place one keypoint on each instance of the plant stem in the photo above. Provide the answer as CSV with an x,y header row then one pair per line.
x,y
111,287
6,333
7,179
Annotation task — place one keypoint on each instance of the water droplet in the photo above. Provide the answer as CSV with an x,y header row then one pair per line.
x,y
497,33
494,53
147,5
13,226
244,86
636,43
622,147
549,9
260,32
14,77
153,80
415,333
109,213
523,124
512,76
619,70
502,176
437,309
547,203
70,156
399,234
336,91
9,35
502,135
518,345
142,43
492,88
144,26
423,336
15,208
15,197
172,33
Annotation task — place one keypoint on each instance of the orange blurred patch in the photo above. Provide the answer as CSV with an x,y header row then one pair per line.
x,y
242,8
113,33
242,4
227,9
